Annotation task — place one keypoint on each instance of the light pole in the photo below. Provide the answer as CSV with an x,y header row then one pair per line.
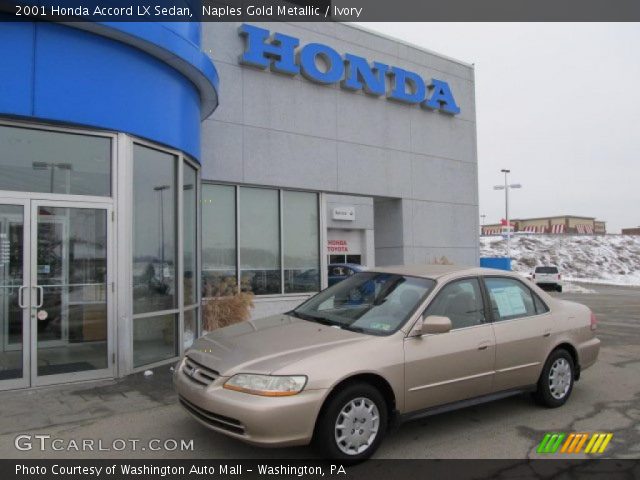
x,y
506,187
51,166
483,216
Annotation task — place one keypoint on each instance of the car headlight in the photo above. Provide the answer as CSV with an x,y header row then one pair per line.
x,y
266,385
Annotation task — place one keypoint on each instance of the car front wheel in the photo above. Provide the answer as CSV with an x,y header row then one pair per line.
x,y
353,423
556,380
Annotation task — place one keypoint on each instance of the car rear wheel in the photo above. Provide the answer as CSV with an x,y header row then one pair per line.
x,y
353,423
559,288
556,380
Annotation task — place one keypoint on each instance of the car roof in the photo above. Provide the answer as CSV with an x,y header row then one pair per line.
x,y
439,271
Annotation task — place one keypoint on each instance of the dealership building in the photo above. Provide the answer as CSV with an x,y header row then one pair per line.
x,y
145,168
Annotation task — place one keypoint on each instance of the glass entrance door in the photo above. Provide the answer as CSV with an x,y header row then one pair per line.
x,y
70,289
55,300
14,294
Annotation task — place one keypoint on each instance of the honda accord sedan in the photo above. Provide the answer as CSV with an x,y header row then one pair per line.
x,y
383,347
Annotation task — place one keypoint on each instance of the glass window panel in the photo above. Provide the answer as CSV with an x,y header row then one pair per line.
x,y
460,301
259,241
218,240
72,274
190,327
154,339
300,242
189,229
54,162
509,298
11,279
154,230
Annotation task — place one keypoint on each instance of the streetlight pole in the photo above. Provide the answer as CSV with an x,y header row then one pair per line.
x,y
506,187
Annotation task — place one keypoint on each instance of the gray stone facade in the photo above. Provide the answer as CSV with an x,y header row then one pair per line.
x,y
419,167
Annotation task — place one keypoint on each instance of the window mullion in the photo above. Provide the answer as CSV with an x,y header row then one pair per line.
x,y
281,241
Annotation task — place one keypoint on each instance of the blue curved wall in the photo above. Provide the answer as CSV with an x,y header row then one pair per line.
x,y
148,79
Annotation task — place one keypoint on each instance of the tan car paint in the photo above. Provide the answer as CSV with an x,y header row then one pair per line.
x,y
422,371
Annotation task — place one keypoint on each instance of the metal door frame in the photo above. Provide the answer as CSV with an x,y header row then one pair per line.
x,y
25,380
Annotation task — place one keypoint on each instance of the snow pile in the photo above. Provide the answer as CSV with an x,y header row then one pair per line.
x,y
606,259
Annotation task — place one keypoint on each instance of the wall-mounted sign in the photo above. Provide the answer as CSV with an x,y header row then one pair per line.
x,y
322,64
337,246
344,213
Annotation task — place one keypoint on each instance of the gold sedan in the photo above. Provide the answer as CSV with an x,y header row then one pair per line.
x,y
383,346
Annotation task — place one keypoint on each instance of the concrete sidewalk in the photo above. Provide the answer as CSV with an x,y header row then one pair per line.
x,y
47,407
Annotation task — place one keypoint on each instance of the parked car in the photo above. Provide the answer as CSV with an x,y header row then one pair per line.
x,y
341,271
547,277
382,347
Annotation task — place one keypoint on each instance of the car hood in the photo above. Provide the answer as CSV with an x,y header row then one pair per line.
x,y
267,344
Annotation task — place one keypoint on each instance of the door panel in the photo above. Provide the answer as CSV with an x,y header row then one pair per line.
x,y
70,313
522,347
448,367
14,294
522,336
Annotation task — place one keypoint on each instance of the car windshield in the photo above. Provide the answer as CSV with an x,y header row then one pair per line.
x,y
368,302
546,270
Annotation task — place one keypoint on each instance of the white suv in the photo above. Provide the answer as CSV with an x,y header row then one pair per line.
x,y
547,277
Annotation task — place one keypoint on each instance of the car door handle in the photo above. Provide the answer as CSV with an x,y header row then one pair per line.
x,y
483,346
547,333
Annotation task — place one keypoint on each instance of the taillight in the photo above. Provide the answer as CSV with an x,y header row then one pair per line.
x,y
534,276
594,321
559,276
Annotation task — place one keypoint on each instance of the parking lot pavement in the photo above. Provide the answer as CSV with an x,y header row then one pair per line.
x,y
606,399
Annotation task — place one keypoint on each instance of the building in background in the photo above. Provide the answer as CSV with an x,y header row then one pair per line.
x,y
566,224
631,231
309,169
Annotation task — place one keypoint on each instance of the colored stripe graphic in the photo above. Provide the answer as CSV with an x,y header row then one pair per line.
x,y
574,443
550,443
598,442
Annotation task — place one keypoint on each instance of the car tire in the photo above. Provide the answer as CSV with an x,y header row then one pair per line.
x,y
368,425
556,380
559,288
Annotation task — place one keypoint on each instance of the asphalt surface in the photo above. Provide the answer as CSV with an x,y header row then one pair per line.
x,y
606,399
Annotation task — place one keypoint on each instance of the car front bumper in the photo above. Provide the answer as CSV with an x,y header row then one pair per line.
x,y
264,421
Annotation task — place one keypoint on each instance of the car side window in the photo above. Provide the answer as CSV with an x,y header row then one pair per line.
x,y
461,301
509,298
541,307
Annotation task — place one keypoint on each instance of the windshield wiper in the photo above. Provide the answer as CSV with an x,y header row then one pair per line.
x,y
354,329
312,318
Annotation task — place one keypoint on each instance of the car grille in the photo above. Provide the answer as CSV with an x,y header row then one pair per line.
x,y
198,373
218,421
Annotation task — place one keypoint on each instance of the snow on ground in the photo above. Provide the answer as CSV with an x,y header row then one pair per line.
x,y
604,259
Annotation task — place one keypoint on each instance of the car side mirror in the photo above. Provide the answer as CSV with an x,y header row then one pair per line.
x,y
434,324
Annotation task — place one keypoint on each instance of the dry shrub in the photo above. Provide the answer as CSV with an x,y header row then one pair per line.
x,y
219,312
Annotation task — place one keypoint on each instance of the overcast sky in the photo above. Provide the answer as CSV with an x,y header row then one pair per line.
x,y
559,105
